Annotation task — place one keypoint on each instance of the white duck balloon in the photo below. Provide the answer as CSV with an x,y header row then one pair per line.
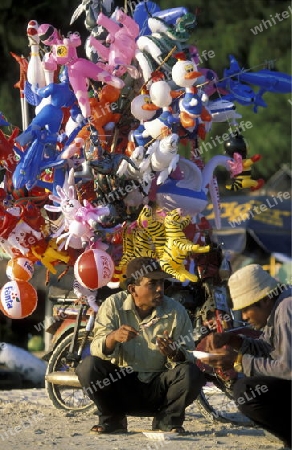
x,y
143,109
162,96
185,74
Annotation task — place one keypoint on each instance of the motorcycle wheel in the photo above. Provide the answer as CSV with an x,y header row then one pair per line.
x,y
66,397
216,403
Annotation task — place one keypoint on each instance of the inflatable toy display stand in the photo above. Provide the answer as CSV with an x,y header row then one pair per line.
x,y
96,176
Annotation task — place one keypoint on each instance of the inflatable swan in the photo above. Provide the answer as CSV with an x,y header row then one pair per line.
x,y
190,193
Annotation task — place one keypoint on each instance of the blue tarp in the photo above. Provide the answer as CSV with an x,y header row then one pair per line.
x,y
266,218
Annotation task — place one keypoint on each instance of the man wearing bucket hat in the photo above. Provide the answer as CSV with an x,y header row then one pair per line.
x,y
264,393
141,359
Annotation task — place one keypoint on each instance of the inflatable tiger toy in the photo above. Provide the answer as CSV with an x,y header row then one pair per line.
x,y
136,243
128,254
154,229
142,243
177,246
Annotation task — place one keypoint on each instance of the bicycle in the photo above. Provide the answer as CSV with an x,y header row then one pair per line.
x,y
69,348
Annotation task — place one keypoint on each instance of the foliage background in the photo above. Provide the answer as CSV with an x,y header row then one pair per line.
x,y
223,27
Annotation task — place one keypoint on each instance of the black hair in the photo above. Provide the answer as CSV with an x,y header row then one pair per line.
x,y
257,304
132,280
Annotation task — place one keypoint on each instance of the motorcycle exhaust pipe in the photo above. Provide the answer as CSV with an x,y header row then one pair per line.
x,y
63,378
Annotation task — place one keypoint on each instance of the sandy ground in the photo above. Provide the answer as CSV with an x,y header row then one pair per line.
x,y
29,421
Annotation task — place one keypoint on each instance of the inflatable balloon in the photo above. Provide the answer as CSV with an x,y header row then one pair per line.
x,y
192,104
94,269
171,16
156,51
237,148
144,10
268,80
102,113
161,156
3,122
186,193
20,269
35,70
154,228
123,30
177,247
79,69
115,147
18,299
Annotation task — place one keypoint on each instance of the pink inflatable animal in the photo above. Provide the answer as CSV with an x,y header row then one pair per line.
x,y
63,52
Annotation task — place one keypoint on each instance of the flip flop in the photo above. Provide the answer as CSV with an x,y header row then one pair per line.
x,y
108,429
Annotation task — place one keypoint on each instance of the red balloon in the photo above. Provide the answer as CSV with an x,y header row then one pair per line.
x,y
94,269
18,299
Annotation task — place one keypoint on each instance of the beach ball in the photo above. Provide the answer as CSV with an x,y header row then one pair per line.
x,y
18,299
20,269
94,269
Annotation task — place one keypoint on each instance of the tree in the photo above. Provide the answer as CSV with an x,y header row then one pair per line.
x,y
222,26
226,28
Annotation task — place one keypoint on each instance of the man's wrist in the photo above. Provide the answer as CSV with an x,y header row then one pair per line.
x,y
235,341
177,356
110,343
238,363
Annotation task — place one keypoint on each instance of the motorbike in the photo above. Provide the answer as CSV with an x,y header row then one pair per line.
x,y
210,309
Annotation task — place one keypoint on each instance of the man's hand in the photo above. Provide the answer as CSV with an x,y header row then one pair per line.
x,y
169,348
217,340
123,334
163,343
222,358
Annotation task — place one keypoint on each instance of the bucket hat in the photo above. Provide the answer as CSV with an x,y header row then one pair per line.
x,y
250,284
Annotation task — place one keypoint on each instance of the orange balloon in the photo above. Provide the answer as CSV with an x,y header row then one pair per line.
x,y
102,114
20,269
18,299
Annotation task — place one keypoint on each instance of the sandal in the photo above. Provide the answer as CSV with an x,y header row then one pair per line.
x,y
108,429
178,430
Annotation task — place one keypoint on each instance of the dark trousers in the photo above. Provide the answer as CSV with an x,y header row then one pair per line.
x,y
118,392
267,401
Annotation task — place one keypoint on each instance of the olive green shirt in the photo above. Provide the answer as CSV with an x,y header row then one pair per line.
x,y
141,353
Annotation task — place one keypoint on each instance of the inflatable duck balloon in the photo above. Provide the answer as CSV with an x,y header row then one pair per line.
x,y
185,74
161,95
144,110
142,107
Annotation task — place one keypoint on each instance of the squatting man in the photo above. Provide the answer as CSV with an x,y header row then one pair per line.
x,y
266,361
112,378
136,329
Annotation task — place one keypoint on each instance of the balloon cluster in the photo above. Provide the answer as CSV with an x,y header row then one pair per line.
x,y
96,176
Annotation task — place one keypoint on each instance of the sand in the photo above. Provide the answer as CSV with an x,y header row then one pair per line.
x,y
29,421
